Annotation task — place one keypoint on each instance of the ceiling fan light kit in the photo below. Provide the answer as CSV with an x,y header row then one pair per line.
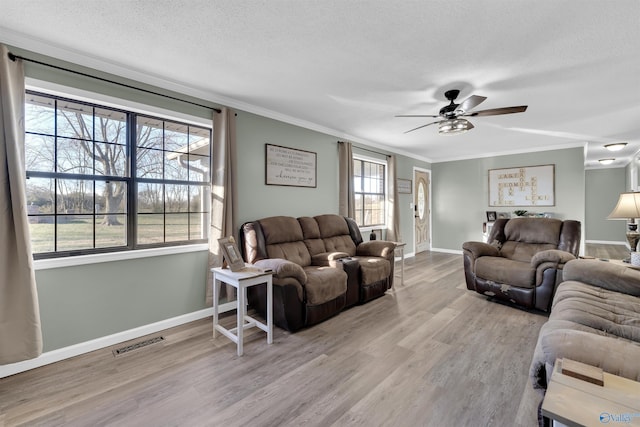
x,y
606,161
454,126
452,123
615,146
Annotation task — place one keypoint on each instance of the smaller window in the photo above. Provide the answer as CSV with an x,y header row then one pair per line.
x,y
369,183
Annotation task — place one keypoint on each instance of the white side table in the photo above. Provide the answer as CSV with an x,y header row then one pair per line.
x,y
241,280
573,402
400,247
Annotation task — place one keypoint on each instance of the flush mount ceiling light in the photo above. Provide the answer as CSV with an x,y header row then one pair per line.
x,y
454,126
616,146
606,161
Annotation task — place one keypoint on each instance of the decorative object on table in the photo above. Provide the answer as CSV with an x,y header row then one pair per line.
x,y
522,186
376,234
372,235
628,208
404,186
290,166
231,254
504,215
520,212
491,216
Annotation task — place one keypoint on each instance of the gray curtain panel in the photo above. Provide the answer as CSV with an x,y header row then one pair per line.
x,y
393,213
223,193
346,202
20,333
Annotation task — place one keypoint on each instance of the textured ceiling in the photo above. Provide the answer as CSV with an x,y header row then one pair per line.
x,y
347,67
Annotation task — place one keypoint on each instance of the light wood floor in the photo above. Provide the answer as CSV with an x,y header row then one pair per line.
x,y
430,353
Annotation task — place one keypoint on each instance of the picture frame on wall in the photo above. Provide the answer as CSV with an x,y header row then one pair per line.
x,y
405,186
290,167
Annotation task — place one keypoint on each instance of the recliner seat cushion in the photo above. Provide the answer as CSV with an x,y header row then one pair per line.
x,y
324,284
504,270
373,269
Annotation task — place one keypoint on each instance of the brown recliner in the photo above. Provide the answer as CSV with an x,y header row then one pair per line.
x,y
523,261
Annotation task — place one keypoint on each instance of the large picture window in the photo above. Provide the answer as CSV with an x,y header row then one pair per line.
x,y
102,179
370,192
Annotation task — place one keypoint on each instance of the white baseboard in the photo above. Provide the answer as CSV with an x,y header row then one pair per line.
x,y
109,340
607,242
447,251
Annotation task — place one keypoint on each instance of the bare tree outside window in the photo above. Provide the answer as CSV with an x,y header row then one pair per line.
x,y
79,160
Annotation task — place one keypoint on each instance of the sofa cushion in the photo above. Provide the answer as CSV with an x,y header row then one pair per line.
x,y
332,225
373,269
504,270
520,251
340,244
539,230
324,284
281,229
293,251
611,312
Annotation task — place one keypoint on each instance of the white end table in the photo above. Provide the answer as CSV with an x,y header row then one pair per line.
x,y
241,280
400,247
573,402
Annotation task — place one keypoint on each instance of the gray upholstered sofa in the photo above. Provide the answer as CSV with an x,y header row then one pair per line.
x,y
595,319
321,265
523,261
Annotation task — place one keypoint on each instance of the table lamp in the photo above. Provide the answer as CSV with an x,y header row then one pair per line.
x,y
628,208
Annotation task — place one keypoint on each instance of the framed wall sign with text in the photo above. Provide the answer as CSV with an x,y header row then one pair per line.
x,y
289,166
522,186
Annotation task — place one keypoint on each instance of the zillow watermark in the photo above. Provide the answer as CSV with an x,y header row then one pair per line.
x,y
624,417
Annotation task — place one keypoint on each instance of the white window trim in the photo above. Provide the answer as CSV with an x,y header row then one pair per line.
x,y
124,104
363,157
71,261
113,102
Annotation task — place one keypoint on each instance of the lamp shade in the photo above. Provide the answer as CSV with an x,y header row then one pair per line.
x,y
628,207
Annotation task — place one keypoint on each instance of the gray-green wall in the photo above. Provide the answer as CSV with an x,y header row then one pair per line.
x,y
603,189
82,303
460,193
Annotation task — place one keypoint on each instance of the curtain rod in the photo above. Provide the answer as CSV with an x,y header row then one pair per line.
x,y
13,57
371,151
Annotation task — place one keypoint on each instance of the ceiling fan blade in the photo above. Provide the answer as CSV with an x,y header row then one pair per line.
x,y
416,115
498,111
420,127
470,103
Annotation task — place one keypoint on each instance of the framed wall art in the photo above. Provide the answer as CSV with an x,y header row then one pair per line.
x,y
522,186
404,186
290,167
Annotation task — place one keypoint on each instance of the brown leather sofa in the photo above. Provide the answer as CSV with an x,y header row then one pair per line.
x,y
523,262
595,320
321,265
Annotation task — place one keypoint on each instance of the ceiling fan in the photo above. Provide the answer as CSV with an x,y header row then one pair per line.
x,y
452,122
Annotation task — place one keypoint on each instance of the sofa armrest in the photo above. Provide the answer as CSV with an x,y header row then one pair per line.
x,y
325,259
554,256
478,249
607,275
381,248
283,268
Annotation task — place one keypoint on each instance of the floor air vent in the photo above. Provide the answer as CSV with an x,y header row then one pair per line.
x,y
135,346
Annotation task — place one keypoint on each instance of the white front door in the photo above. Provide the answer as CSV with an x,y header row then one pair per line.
x,y
421,210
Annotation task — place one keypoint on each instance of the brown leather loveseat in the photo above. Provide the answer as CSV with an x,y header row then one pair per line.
x,y
321,265
523,261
